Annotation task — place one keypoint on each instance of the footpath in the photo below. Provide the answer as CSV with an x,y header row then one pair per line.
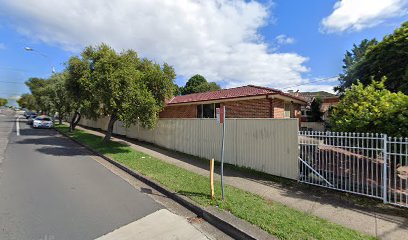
x,y
358,213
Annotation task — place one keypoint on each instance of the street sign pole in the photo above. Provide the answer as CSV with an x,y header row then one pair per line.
x,y
222,121
222,161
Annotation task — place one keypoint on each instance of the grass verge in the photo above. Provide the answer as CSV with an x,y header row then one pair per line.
x,y
275,218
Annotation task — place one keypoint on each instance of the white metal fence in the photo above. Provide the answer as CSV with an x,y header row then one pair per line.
x,y
368,164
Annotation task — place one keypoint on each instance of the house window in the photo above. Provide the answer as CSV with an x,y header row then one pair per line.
x,y
207,110
200,111
287,110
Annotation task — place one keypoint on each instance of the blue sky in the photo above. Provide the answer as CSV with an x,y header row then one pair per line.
x,y
283,43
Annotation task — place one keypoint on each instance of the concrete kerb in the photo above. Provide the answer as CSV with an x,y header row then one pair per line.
x,y
243,231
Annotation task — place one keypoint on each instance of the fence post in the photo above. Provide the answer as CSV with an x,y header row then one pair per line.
x,y
385,169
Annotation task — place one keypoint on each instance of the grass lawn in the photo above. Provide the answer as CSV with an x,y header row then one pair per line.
x,y
275,218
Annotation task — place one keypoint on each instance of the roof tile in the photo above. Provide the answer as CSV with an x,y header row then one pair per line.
x,y
244,91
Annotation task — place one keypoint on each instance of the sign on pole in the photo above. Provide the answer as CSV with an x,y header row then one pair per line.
x,y
220,112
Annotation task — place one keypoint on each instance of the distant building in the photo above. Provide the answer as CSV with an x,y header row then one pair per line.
x,y
329,100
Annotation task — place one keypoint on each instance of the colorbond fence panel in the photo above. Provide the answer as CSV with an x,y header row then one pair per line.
x,y
267,145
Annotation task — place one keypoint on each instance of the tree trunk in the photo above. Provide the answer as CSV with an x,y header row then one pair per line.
x,y
74,121
109,131
59,119
77,119
59,116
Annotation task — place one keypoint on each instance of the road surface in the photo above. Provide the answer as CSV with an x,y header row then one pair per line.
x,y
52,189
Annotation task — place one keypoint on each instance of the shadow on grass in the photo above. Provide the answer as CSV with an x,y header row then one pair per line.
x,y
194,194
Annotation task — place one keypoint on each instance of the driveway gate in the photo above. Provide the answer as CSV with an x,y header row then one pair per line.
x,y
367,164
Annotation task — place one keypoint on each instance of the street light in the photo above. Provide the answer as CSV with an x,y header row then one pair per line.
x,y
28,49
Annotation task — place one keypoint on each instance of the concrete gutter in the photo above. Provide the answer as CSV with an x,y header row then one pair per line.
x,y
226,222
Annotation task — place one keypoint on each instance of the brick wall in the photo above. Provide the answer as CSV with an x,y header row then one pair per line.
x,y
331,100
256,108
183,111
278,108
297,112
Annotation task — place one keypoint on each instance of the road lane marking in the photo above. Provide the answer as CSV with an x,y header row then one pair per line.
x,y
18,126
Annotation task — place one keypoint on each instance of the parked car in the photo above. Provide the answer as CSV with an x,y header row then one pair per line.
x,y
43,122
30,119
28,114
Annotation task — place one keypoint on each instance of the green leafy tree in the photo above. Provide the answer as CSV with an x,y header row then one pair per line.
x,y
39,88
47,95
58,96
80,89
316,113
372,109
197,84
27,101
176,90
127,88
388,58
351,58
3,102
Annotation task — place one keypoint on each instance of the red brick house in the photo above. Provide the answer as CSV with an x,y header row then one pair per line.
x,y
241,102
329,100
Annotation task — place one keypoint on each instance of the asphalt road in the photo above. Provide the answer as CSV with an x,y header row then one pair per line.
x,y
51,189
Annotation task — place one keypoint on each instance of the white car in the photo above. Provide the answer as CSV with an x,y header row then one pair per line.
x,y
43,122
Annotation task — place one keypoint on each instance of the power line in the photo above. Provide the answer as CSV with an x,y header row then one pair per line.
x,y
11,82
14,69
315,81
25,72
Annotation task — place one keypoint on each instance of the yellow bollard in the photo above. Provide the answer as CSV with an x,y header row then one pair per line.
x,y
212,177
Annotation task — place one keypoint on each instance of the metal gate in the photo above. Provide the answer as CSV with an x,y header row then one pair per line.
x,y
361,163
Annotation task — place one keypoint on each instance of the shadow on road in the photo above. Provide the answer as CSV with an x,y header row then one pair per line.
x,y
49,142
37,132
63,151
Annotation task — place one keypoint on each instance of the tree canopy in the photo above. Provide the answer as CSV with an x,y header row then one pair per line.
x,y
370,59
119,85
3,102
80,89
48,95
351,58
38,88
372,108
57,94
197,84
27,101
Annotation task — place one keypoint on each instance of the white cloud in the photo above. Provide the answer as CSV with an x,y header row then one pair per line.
x,y
15,97
314,85
316,88
355,15
283,39
2,46
215,38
